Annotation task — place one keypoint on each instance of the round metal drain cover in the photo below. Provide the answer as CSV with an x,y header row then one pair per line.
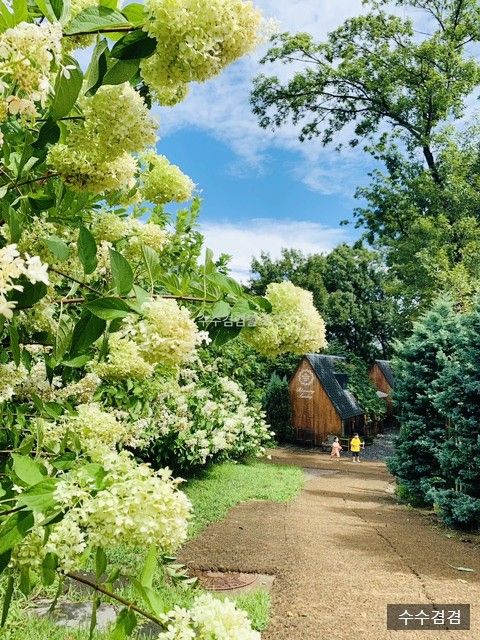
x,y
219,581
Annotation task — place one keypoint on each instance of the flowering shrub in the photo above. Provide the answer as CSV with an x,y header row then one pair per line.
x,y
203,417
293,325
99,297
208,618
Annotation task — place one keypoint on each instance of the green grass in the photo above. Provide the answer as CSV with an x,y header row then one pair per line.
x,y
213,494
223,486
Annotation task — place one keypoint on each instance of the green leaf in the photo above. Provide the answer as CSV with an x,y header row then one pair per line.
x,y
124,625
62,10
29,471
15,529
24,584
14,343
121,71
87,330
122,273
141,295
78,362
220,310
149,567
49,569
97,68
58,247
96,18
7,19
14,223
220,335
31,294
55,10
5,560
135,13
7,600
20,10
100,563
49,134
63,337
109,308
87,250
152,262
209,263
40,496
134,45
67,88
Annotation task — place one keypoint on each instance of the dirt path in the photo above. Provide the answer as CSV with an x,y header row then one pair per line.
x,y
341,551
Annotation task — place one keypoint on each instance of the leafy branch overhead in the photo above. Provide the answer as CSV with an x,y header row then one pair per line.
x,y
375,69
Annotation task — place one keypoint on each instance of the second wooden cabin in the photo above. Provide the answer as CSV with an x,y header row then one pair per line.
x,y
381,375
321,403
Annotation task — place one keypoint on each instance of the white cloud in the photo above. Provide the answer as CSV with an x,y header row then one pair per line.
x,y
221,106
248,239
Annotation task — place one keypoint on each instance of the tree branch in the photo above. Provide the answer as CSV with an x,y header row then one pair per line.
x,y
125,29
114,596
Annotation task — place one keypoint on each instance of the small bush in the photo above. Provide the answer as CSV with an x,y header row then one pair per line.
x,y
277,408
457,509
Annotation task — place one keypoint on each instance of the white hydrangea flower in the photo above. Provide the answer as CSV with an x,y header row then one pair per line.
x,y
294,325
12,267
165,182
27,53
196,40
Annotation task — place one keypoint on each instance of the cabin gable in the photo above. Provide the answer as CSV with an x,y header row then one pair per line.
x,y
314,415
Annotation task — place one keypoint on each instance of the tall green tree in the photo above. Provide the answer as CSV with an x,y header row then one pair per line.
x,y
418,365
458,389
431,233
375,70
400,85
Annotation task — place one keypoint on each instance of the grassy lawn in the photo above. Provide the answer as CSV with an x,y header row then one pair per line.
x,y
223,486
213,494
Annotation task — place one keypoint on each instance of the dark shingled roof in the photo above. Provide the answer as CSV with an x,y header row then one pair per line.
x,y
386,369
342,399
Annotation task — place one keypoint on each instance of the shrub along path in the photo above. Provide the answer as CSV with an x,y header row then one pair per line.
x,y
341,551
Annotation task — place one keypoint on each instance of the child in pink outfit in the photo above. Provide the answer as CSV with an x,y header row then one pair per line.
x,y
336,448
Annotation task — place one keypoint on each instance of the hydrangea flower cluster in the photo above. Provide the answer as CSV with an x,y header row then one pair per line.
x,y
11,377
205,416
165,182
133,505
94,430
97,154
164,336
208,619
109,227
27,53
196,40
293,326
12,267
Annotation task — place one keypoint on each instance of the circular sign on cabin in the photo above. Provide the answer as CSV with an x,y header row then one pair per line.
x,y
306,377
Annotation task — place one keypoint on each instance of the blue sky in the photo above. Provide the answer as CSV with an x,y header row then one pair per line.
x,y
263,190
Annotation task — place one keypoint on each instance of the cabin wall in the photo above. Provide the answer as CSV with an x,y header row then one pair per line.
x,y
313,415
381,384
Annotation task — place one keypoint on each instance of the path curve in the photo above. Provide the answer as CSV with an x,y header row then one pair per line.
x,y
341,551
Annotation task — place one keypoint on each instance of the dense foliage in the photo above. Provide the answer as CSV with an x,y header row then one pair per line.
x,y
277,408
103,305
437,382
400,83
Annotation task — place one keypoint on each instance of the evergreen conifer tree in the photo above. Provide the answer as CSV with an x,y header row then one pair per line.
x,y
417,365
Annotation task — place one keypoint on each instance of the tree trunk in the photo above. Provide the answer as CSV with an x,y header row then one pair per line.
x,y
427,152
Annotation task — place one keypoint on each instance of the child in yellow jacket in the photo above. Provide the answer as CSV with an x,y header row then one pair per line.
x,y
355,445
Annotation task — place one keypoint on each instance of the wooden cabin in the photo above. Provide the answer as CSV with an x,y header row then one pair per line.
x,y
321,403
381,375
